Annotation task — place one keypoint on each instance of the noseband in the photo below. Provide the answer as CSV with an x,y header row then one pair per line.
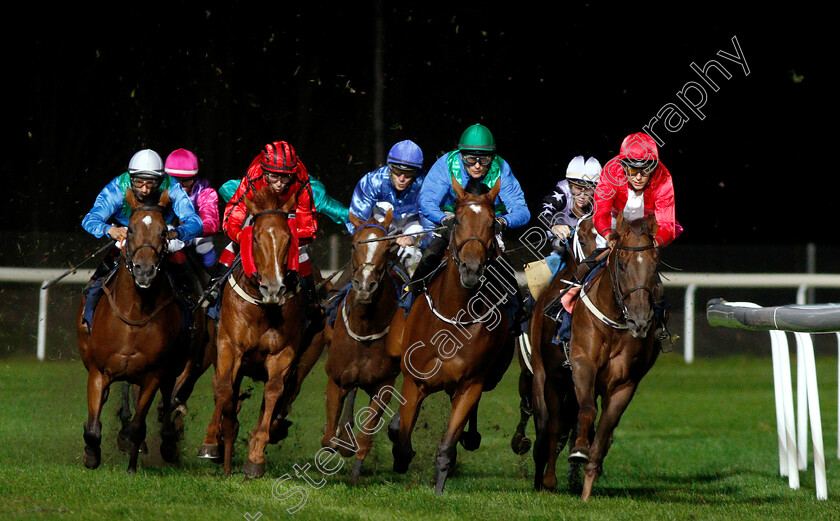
x,y
353,246
128,255
619,296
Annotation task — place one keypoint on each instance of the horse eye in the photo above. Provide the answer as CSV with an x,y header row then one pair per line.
x,y
622,265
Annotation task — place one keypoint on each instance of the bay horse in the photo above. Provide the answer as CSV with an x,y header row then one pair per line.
x,y
137,336
613,342
456,339
550,387
357,357
259,335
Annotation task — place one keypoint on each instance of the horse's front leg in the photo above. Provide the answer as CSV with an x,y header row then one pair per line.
x,y
335,396
372,417
136,430
97,394
519,443
278,367
463,403
613,405
409,410
583,375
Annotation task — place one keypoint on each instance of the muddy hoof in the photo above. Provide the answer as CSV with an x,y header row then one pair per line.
x,y
471,440
578,455
254,470
93,456
357,471
209,452
401,461
520,444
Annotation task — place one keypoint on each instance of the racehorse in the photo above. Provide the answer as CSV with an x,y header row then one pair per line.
x,y
613,342
259,334
356,355
138,337
456,339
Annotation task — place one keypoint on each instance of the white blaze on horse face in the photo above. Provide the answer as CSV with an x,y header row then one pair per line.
x,y
275,247
476,208
640,259
371,251
147,220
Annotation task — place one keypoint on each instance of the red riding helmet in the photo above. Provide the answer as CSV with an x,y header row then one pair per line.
x,y
279,158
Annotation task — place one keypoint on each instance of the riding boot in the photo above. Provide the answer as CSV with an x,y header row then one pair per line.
x,y
182,279
313,304
661,313
214,286
429,262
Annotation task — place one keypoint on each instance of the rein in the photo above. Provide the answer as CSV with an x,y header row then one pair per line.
x,y
129,321
454,249
353,335
128,256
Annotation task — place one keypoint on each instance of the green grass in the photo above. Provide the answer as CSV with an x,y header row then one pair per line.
x,y
698,442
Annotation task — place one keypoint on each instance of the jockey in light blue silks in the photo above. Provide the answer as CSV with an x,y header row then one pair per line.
x,y
145,177
477,167
394,186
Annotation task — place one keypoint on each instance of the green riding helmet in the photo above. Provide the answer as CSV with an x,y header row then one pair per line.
x,y
477,138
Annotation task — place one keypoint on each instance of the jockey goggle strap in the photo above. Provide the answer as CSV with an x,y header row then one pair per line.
x,y
246,250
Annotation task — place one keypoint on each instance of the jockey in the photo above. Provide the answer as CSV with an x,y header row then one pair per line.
x,y
395,186
183,166
636,183
147,179
571,199
474,162
278,167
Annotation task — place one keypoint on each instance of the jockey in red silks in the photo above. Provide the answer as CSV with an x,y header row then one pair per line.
x,y
278,167
636,183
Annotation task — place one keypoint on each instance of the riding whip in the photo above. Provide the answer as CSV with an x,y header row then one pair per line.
x,y
105,247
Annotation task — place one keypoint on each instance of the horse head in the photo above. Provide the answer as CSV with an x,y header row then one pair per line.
x,y
473,240
145,242
369,259
271,239
635,260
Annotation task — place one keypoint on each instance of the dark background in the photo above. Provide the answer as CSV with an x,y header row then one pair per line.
x,y
85,88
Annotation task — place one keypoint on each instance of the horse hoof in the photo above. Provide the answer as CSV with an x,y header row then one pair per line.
x,y
254,470
471,440
209,452
440,482
520,444
92,458
579,455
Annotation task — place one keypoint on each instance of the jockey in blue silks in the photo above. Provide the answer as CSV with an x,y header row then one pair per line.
x,y
394,186
146,178
476,166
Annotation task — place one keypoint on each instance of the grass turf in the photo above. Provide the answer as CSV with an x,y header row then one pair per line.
x,y
697,442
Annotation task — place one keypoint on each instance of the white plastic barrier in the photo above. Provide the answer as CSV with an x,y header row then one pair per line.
x,y
793,450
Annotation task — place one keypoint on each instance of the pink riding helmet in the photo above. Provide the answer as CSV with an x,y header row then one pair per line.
x,y
181,163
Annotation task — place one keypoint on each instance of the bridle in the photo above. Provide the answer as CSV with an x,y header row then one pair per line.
x,y
353,246
254,221
620,296
455,249
128,255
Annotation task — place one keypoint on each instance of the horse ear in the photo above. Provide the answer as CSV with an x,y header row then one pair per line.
x,y
494,192
164,199
388,217
651,225
130,199
459,190
354,220
290,204
249,204
621,225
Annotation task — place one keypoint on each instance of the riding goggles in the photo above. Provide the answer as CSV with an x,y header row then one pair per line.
x,y
471,160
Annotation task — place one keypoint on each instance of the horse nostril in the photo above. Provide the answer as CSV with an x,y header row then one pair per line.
x,y
373,286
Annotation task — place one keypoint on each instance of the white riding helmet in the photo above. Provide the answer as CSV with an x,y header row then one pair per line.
x,y
584,172
146,164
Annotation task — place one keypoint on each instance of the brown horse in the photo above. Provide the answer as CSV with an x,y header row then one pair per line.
x,y
259,335
550,386
613,343
137,337
357,356
456,338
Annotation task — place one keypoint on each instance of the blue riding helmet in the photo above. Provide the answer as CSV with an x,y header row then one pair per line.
x,y
406,155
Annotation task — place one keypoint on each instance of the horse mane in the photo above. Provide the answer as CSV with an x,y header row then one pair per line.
x,y
266,199
639,227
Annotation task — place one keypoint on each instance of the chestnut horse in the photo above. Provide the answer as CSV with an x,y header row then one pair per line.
x,y
259,335
551,391
456,338
137,337
356,355
613,343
